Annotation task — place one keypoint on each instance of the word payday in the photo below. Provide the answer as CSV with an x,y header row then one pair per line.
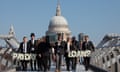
x,y
21,56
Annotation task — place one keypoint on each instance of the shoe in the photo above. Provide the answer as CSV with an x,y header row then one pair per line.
x,y
57,70
68,69
86,69
31,69
35,69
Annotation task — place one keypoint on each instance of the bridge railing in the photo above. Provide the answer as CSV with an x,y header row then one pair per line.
x,y
97,69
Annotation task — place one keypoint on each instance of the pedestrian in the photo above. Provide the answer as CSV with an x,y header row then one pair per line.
x,y
24,49
87,45
33,50
80,49
68,47
43,50
59,51
75,47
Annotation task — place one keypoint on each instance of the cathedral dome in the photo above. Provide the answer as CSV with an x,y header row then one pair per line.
x,y
58,20
58,24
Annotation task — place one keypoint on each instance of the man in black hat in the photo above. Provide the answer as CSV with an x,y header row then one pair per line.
x,y
33,48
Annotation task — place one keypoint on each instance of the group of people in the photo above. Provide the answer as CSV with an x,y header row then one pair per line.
x,y
28,47
41,50
46,52
62,48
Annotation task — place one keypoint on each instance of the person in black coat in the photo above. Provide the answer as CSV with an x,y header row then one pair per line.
x,y
33,50
24,48
75,47
43,53
87,45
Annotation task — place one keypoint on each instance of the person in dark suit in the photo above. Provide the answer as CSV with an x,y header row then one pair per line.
x,y
43,50
87,45
50,51
24,48
68,47
75,47
33,48
38,57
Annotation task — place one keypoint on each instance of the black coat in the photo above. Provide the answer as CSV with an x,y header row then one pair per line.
x,y
89,46
20,50
60,49
33,47
43,49
75,45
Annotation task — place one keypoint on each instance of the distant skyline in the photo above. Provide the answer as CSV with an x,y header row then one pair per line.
x,y
95,18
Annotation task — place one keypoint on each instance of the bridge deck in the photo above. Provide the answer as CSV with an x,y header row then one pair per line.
x,y
80,68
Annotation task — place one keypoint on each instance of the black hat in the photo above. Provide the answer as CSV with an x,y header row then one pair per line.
x,y
32,34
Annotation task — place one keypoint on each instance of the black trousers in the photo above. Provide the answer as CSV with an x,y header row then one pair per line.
x,y
67,59
49,61
39,63
86,62
71,62
24,64
45,60
33,63
74,62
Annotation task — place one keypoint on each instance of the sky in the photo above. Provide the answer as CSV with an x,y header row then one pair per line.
x,y
95,18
